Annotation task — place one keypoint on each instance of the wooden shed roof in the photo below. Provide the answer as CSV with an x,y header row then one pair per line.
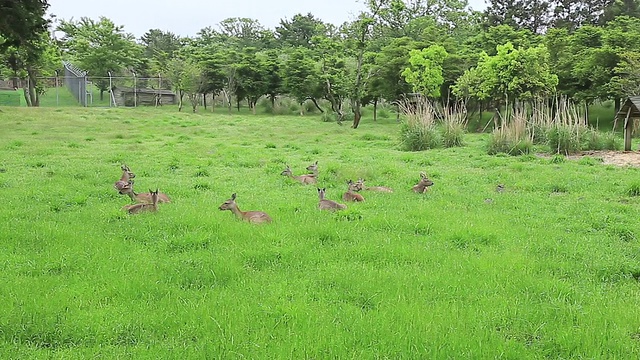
x,y
633,103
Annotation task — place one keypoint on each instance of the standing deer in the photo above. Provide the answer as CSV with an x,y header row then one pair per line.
x,y
305,179
351,194
314,169
124,184
330,205
255,217
359,185
143,197
422,186
138,208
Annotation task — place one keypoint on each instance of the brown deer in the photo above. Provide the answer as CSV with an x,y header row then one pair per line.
x,y
305,179
330,205
143,197
359,185
123,184
351,194
138,208
255,217
314,169
422,186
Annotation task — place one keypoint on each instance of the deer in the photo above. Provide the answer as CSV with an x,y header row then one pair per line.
x,y
314,169
351,194
143,197
138,208
422,186
254,217
359,185
330,205
304,179
124,184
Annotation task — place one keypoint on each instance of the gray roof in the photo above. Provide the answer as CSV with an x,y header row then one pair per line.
x,y
633,103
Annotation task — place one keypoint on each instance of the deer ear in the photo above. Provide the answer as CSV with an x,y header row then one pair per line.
x,y
316,163
150,191
233,196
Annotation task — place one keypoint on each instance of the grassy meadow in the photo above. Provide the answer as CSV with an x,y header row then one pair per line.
x,y
548,268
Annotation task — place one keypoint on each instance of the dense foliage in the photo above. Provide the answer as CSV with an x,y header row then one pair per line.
x,y
513,51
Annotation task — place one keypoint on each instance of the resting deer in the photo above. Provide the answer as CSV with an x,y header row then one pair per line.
x,y
314,169
254,217
330,205
138,208
124,184
143,197
351,194
359,185
422,186
305,179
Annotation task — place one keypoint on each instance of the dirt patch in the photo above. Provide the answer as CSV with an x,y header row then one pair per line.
x,y
609,157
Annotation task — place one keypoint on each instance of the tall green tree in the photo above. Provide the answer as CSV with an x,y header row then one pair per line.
x,y
301,76
300,30
425,70
22,22
158,48
99,47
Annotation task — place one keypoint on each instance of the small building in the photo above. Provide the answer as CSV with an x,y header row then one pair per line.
x,y
629,111
147,97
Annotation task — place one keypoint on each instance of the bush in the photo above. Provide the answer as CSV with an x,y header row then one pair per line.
x,y
563,139
593,140
454,123
611,142
417,137
384,113
511,137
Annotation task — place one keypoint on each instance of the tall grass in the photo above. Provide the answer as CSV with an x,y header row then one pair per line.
x,y
546,268
419,127
512,136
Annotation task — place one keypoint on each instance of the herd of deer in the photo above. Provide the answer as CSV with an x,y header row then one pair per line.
x,y
149,201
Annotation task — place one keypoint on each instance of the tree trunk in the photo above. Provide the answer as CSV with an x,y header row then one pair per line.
x,y
26,96
253,106
375,110
180,95
32,87
272,97
302,108
238,104
204,101
356,115
315,102
616,106
101,94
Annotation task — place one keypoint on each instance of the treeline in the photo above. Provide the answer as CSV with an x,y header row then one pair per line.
x,y
515,50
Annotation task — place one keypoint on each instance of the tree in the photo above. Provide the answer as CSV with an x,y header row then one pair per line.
x,y
99,48
300,76
425,70
251,78
245,32
300,30
520,14
22,22
158,48
24,41
512,73
272,65
38,58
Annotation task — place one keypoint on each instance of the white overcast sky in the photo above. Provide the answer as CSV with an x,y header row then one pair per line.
x,y
187,17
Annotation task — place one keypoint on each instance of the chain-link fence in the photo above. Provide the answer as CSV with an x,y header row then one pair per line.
x,y
75,87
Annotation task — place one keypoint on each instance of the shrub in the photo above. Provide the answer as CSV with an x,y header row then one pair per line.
x,y
593,140
384,113
611,142
563,139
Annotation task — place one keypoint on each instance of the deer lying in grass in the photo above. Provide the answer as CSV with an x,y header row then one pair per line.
x,y
351,194
143,197
359,185
138,208
124,184
330,205
422,186
314,169
254,217
305,179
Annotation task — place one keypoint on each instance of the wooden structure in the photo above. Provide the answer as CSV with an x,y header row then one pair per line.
x,y
630,111
124,96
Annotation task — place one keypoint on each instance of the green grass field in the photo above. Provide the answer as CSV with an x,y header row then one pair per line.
x,y
547,269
